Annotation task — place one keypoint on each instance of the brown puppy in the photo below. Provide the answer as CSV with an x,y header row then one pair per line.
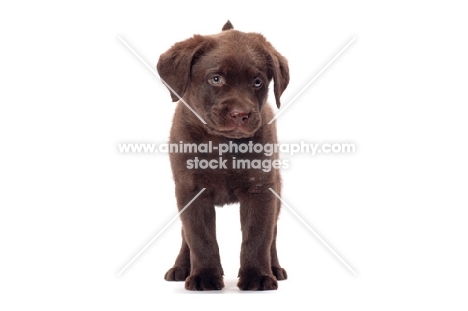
x,y
225,78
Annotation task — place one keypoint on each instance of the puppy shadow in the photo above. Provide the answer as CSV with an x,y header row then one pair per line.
x,y
230,287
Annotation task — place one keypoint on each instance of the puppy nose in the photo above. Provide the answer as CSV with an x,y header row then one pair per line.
x,y
239,116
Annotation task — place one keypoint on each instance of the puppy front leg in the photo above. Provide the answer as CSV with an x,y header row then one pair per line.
x,y
258,216
199,229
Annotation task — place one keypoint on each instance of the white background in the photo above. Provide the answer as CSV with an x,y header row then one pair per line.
x,y
74,211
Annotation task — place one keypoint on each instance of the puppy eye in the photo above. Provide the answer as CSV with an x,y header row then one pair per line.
x,y
257,83
216,80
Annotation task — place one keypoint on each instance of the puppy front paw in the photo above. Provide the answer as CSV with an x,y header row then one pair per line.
x,y
204,281
252,280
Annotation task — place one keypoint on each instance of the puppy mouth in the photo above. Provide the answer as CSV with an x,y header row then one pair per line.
x,y
234,131
233,123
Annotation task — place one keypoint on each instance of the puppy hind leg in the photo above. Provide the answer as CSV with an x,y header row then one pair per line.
x,y
181,269
278,272
276,268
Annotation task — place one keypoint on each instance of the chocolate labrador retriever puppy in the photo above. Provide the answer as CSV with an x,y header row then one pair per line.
x,y
224,78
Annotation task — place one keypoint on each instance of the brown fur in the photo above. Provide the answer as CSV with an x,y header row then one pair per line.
x,y
235,110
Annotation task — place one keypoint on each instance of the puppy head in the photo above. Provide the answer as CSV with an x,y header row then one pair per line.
x,y
225,78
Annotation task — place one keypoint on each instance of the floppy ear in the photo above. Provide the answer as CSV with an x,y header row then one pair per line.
x,y
174,66
280,71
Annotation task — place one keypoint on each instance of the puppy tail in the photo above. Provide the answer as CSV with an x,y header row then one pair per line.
x,y
227,26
